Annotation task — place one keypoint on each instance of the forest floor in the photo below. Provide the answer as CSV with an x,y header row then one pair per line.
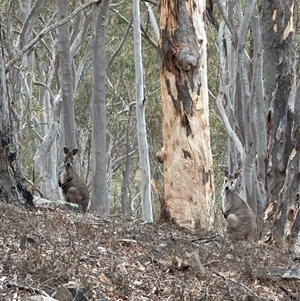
x,y
125,259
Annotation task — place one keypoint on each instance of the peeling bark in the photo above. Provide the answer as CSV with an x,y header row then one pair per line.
x,y
186,153
282,115
12,182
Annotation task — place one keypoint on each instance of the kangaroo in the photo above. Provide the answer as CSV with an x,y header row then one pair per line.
x,y
240,219
74,190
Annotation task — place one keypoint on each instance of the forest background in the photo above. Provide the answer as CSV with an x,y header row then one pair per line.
x,y
32,40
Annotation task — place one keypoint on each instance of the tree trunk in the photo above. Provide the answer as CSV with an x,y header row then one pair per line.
x,y
140,117
12,183
290,194
126,172
186,153
282,115
46,152
99,185
68,135
45,158
241,90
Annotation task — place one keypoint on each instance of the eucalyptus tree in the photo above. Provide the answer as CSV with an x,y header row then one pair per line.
x,y
242,93
65,83
29,13
140,116
13,187
24,66
258,86
51,84
186,153
45,84
123,156
66,80
35,37
282,116
100,201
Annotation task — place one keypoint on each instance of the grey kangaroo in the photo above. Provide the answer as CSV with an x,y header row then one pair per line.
x,y
74,189
240,219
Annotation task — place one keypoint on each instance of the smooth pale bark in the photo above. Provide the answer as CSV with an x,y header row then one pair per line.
x,y
45,174
100,201
266,110
29,15
46,154
186,153
43,143
127,165
31,12
249,97
68,135
282,117
140,117
242,94
44,171
152,20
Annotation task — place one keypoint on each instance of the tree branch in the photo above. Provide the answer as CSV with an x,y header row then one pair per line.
x,y
46,31
129,26
228,23
229,130
144,34
154,2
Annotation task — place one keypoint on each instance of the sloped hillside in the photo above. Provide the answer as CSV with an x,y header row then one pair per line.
x,y
125,259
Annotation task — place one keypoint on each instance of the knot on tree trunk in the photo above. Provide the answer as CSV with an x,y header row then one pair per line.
x,y
188,57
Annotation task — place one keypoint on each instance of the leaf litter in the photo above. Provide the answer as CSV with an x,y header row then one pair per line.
x,y
119,258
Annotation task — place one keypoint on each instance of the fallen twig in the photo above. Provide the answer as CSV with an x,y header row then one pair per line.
x,y
291,295
204,240
28,289
246,288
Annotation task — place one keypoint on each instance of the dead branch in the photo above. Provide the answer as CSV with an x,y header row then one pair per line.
x,y
28,289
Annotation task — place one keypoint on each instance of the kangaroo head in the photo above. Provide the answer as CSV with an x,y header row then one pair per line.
x,y
230,181
69,156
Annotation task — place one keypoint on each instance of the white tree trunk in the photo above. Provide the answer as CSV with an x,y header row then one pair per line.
x,y
68,134
46,156
99,185
242,90
152,20
140,116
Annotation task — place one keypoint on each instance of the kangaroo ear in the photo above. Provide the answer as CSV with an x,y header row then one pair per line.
x,y
236,175
74,151
66,150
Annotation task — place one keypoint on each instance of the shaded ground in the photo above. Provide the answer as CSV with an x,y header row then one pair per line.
x,y
127,260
